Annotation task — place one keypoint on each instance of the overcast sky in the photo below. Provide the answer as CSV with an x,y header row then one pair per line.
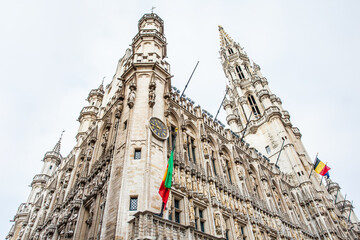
x,y
52,53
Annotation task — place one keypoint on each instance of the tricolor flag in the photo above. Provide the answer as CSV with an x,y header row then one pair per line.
x,y
165,186
320,167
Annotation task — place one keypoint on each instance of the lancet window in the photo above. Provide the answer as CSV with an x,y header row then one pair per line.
x,y
253,106
228,169
176,206
213,162
191,149
240,72
200,219
230,51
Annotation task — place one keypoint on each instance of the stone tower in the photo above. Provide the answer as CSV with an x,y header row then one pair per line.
x,y
257,115
222,187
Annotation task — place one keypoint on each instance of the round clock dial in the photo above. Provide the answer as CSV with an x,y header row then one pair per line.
x,y
158,128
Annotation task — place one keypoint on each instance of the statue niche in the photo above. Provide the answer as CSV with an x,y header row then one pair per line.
x,y
152,95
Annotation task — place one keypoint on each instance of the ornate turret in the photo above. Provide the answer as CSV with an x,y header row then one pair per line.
x,y
89,113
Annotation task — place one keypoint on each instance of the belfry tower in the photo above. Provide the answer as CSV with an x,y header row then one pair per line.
x,y
255,113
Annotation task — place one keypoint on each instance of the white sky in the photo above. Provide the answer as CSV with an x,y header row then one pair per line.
x,y
52,53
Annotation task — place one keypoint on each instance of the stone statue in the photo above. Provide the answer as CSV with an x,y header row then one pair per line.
x,y
191,210
222,198
48,200
184,138
217,220
212,189
105,137
237,229
188,182
131,97
231,203
266,187
182,177
250,209
72,221
33,216
204,188
89,151
226,199
79,194
253,183
66,178
176,174
288,202
257,233
152,97
240,171
333,216
200,186
194,183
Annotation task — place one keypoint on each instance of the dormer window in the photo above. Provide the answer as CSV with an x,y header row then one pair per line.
x,y
253,106
230,51
240,72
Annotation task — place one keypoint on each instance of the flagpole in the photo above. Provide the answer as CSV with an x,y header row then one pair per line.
x,y
189,80
244,131
350,210
342,210
221,104
172,149
282,145
322,176
312,168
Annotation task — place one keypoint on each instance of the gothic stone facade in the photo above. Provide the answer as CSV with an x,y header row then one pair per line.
x,y
223,187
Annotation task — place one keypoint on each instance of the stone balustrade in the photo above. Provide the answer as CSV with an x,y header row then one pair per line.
x,y
40,178
147,225
89,110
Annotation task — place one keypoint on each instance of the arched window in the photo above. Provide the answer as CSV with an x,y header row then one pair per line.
x,y
230,51
240,72
253,106
213,163
228,169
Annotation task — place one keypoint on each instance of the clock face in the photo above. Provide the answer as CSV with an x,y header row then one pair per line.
x,y
158,128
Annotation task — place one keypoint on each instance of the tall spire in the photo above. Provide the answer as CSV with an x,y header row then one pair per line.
x,y
58,144
225,39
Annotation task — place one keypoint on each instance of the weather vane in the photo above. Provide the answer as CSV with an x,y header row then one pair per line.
x,y
152,9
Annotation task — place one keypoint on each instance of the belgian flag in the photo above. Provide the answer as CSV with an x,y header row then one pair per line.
x,y
320,167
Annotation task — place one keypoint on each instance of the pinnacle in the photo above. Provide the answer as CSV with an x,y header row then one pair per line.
x,y
58,144
225,39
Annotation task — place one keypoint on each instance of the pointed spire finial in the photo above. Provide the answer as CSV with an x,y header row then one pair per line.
x,y
225,39
101,87
58,144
